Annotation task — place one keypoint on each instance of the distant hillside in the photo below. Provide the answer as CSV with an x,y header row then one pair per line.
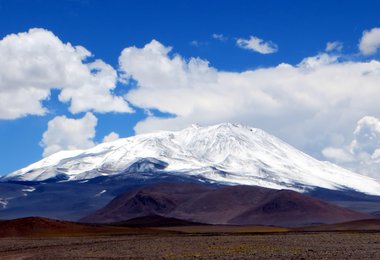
x,y
40,227
231,205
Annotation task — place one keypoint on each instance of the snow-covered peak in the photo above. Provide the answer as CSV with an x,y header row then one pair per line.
x,y
225,153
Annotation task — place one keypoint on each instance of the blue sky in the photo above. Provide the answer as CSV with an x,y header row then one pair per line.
x,y
297,29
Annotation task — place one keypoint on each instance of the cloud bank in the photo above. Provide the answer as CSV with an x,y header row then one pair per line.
x,y
34,62
312,105
363,152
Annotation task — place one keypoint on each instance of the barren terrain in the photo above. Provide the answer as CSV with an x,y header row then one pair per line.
x,y
324,245
41,238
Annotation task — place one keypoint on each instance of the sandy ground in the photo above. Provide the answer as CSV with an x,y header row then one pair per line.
x,y
345,245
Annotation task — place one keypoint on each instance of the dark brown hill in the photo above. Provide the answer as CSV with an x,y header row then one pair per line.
x,y
357,225
232,205
40,227
156,221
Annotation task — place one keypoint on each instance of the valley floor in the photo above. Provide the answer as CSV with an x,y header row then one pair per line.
x,y
296,245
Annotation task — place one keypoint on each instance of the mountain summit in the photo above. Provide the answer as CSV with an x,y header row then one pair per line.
x,y
225,153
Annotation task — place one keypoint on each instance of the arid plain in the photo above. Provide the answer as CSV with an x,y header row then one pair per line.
x,y
322,245
39,238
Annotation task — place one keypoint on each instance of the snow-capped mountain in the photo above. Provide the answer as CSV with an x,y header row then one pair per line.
x,y
224,153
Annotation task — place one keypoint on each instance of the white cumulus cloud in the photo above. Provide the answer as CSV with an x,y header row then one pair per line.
x,y
362,153
370,41
257,45
111,137
69,134
366,136
34,62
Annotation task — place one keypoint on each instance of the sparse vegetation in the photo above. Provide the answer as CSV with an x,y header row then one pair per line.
x,y
338,245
